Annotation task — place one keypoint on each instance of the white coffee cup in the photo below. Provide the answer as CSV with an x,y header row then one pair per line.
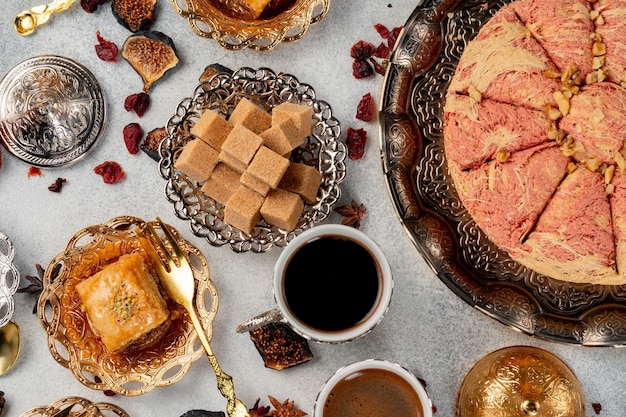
x,y
326,299
373,387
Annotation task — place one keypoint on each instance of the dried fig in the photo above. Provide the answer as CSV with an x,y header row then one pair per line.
x,y
134,15
151,54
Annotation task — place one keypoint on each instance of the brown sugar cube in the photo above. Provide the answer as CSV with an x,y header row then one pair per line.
x,y
254,183
300,114
197,160
239,147
301,179
282,209
243,209
282,137
222,183
250,115
212,128
268,166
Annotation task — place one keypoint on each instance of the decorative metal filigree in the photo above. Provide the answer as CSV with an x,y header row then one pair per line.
x,y
52,111
9,279
423,193
322,149
76,406
74,344
232,33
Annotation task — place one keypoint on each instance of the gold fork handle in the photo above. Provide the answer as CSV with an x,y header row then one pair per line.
x,y
26,22
234,407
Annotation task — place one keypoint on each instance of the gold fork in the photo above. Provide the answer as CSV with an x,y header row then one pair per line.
x,y
178,280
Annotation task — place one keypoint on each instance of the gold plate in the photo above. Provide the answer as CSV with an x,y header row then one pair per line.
x,y
207,20
75,346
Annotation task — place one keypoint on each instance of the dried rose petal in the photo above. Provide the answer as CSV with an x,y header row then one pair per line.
x,y
57,185
355,141
365,108
361,69
106,50
362,50
111,172
132,137
138,102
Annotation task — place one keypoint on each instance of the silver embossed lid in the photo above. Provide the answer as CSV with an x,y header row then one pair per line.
x,y
52,111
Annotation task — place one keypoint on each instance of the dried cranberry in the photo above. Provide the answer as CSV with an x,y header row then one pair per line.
x,y
365,108
362,50
361,69
597,407
393,37
91,6
132,137
382,51
382,30
34,172
57,185
106,50
111,172
138,102
356,139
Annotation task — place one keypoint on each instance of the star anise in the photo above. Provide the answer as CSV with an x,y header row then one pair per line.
x,y
286,409
353,214
36,284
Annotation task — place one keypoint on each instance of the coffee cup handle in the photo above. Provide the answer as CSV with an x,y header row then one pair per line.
x,y
271,316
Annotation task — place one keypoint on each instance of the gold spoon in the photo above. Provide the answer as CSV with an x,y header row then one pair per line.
x,y
26,22
9,346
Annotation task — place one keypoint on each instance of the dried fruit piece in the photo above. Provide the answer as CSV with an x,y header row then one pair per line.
x,y
111,172
355,141
106,50
91,6
34,172
362,50
134,15
150,145
138,102
151,54
361,69
57,185
382,30
132,137
365,108
280,347
597,407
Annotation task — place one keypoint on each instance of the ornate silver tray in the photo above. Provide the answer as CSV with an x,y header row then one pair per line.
x,y
426,202
221,93
52,111
9,279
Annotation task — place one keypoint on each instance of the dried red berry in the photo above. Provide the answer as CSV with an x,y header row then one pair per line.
x,y
111,172
106,50
362,50
355,141
138,102
597,407
393,37
132,137
382,51
34,172
382,30
361,69
57,185
91,6
365,108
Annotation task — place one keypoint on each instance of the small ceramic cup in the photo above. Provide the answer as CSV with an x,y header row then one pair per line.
x,y
332,284
373,387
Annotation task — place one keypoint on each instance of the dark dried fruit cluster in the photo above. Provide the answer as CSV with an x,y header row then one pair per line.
x,y
91,6
365,53
105,49
111,172
355,141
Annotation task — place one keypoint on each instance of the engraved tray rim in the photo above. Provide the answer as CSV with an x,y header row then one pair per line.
x,y
581,314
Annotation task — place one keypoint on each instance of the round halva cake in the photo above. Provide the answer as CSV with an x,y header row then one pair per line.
x,y
535,131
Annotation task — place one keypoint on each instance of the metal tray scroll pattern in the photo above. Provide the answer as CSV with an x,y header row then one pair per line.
x,y
422,191
75,346
9,279
322,149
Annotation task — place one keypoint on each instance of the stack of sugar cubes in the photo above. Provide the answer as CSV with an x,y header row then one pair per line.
x,y
244,163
